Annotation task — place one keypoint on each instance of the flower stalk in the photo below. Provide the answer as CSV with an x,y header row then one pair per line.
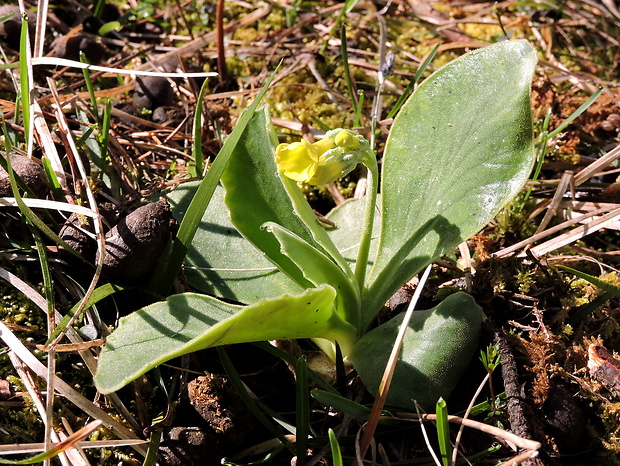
x,y
361,263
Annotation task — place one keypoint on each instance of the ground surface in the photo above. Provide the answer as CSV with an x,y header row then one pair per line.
x,y
557,333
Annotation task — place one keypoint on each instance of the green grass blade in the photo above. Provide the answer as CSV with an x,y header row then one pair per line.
x,y
412,84
443,432
90,88
341,404
48,284
105,133
153,451
26,211
576,113
302,411
587,309
336,454
171,264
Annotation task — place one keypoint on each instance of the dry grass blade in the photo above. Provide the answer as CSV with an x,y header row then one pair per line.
x,y
565,183
506,252
20,448
64,389
51,205
520,442
577,233
37,399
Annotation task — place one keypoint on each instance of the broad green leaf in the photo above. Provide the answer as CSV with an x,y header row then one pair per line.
x,y
319,270
437,348
256,194
190,322
220,261
109,27
458,151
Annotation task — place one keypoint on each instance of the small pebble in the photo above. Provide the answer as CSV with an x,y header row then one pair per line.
x,y
134,245
31,173
152,92
10,30
70,47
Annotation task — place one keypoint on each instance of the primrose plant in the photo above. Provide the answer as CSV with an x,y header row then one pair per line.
x,y
459,150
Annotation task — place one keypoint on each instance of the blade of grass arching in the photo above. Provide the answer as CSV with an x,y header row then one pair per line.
x,y
170,264
443,432
576,113
341,404
239,387
347,72
195,168
91,89
335,447
97,295
413,83
302,415
541,151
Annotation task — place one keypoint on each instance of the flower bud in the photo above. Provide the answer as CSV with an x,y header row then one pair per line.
x,y
323,162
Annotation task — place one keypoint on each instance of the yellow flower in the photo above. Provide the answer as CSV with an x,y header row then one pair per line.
x,y
298,161
326,160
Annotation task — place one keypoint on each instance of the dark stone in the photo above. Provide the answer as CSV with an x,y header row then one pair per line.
x,y
31,173
74,232
69,47
184,446
134,245
169,114
565,419
152,92
10,30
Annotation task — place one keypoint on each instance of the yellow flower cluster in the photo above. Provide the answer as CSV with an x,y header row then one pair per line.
x,y
324,161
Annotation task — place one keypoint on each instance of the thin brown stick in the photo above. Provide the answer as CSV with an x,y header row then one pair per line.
x,y
221,48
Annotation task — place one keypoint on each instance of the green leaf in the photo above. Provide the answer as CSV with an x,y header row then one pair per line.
x,y
220,261
190,322
253,185
458,151
603,285
109,27
319,269
335,448
436,350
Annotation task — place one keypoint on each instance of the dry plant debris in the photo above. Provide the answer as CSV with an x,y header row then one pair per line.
x,y
560,375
